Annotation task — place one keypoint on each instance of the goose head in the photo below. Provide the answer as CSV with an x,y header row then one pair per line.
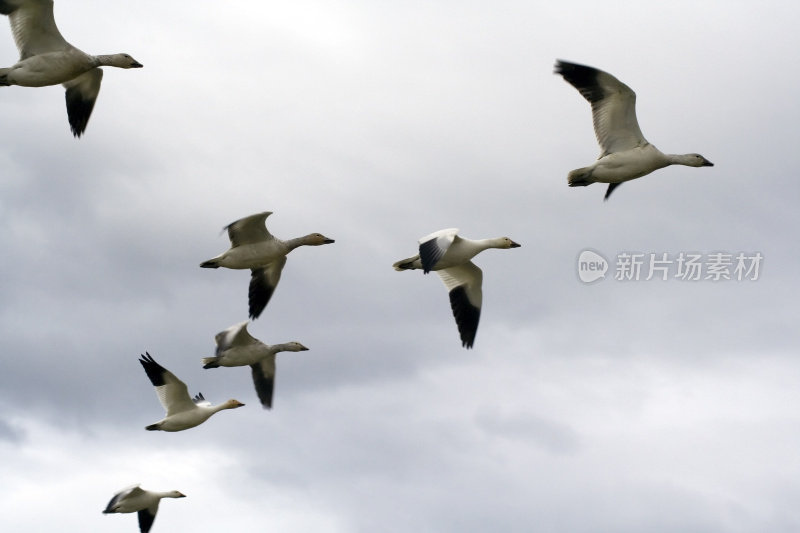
x,y
505,242
704,162
317,239
294,346
697,160
175,494
232,404
120,61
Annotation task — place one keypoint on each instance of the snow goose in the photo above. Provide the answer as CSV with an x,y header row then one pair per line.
x,y
236,347
183,412
626,154
254,247
448,254
46,58
145,502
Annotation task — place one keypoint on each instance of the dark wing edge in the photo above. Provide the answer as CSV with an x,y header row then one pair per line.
x,y
81,95
146,520
583,78
467,315
611,187
429,254
153,370
264,385
259,293
115,498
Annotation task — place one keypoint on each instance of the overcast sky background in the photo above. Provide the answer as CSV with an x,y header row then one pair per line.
x,y
611,407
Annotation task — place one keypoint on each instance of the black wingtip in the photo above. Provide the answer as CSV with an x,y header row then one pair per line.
x,y
467,316
6,8
582,77
153,370
146,520
611,187
265,386
79,110
429,255
259,293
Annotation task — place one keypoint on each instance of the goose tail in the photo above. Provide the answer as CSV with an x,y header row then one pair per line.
x,y
210,362
4,77
406,264
580,177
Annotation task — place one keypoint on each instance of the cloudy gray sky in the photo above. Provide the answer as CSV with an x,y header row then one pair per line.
x,y
616,406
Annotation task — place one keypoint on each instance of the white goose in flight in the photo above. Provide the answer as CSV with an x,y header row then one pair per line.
x,y
253,247
46,58
183,412
449,255
137,500
236,347
626,154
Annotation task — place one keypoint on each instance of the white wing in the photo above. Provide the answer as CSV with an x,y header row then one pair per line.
x,y
463,283
34,27
200,400
236,335
172,392
613,106
131,491
81,95
249,230
264,380
262,285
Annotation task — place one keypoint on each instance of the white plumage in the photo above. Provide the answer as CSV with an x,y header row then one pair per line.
x,y
254,247
449,255
46,58
626,154
236,347
183,412
137,500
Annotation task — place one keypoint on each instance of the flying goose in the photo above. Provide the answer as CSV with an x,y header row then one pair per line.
x,y
626,154
46,58
236,347
183,412
448,254
254,247
145,502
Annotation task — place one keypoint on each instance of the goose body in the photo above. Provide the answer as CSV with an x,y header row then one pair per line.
x,y
236,347
626,154
137,500
449,255
46,58
253,247
183,412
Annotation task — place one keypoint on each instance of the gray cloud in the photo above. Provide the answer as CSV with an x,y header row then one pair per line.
x,y
10,433
620,406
